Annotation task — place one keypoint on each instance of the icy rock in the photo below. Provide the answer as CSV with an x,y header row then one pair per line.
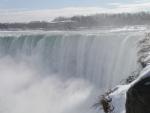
x,y
138,95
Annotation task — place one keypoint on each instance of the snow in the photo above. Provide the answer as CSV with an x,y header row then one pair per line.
x,y
119,96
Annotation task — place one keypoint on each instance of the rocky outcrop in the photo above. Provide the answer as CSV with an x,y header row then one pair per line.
x,y
134,96
138,97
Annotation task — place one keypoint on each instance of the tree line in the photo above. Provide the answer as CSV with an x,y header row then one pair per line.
x,y
84,22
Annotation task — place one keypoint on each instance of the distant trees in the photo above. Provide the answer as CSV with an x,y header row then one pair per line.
x,y
91,21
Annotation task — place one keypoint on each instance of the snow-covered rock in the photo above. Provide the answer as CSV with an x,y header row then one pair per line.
x,y
135,96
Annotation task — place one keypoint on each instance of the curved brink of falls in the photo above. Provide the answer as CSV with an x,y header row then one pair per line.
x,y
62,73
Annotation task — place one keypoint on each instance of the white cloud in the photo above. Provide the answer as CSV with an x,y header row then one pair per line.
x,y
114,4
49,14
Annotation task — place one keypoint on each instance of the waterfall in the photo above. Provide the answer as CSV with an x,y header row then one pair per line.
x,y
62,72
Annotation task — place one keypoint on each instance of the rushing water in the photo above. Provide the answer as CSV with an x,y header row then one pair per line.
x,y
62,72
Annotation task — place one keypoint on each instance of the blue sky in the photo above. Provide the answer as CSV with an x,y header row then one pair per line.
x,y
53,4
47,10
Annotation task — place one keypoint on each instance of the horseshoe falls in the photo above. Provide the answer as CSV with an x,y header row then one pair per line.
x,y
62,72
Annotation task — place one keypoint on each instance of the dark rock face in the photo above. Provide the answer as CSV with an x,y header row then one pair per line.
x,y
138,97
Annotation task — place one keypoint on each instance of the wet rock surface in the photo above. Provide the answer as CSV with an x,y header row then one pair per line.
x,y
138,97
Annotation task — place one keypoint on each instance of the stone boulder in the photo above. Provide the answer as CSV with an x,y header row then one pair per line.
x,y
138,97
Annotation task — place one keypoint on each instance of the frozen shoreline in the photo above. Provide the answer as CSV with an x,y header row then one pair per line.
x,y
119,96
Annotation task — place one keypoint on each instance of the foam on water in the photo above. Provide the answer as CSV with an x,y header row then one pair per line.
x,y
62,72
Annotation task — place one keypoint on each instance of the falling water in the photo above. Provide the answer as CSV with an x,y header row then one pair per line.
x,y
62,72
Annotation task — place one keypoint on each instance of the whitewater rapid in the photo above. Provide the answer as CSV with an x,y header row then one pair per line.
x,y
62,72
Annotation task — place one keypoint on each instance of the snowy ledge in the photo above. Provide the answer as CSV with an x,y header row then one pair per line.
x,y
134,97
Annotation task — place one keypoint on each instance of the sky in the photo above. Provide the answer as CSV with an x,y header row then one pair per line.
x,y
53,4
44,4
34,10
